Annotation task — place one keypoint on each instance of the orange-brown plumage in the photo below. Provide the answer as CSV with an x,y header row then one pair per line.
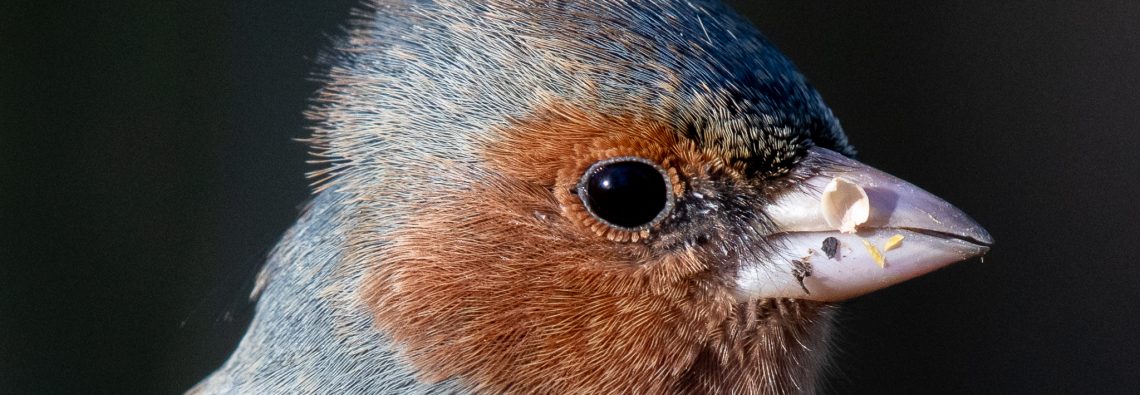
x,y
524,293
583,196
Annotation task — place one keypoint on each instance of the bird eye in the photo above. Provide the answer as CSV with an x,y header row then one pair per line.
x,y
628,193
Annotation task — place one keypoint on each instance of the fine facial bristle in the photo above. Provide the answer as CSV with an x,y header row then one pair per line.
x,y
446,250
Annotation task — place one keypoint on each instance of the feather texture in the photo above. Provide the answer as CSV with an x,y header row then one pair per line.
x,y
443,253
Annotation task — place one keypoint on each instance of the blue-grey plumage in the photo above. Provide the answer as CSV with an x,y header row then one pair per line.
x,y
448,250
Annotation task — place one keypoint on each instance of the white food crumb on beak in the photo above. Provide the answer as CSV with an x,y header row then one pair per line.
x,y
844,205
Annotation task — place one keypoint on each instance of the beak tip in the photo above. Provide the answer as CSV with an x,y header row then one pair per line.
x,y
971,231
985,238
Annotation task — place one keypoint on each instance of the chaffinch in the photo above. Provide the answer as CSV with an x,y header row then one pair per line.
x,y
593,196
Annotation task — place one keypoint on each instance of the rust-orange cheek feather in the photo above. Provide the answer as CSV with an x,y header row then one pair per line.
x,y
575,197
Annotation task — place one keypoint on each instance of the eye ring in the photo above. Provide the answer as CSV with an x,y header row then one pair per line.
x,y
641,223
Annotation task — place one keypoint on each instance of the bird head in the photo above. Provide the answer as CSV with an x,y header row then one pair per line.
x,y
602,197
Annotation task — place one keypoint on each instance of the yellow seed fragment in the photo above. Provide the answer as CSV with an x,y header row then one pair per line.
x,y
892,243
875,254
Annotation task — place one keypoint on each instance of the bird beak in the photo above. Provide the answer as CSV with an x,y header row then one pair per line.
x,y
933,234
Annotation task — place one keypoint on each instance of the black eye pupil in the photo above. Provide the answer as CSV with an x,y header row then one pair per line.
x,y
628,194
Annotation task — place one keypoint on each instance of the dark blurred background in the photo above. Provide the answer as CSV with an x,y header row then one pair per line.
x,y
148,165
